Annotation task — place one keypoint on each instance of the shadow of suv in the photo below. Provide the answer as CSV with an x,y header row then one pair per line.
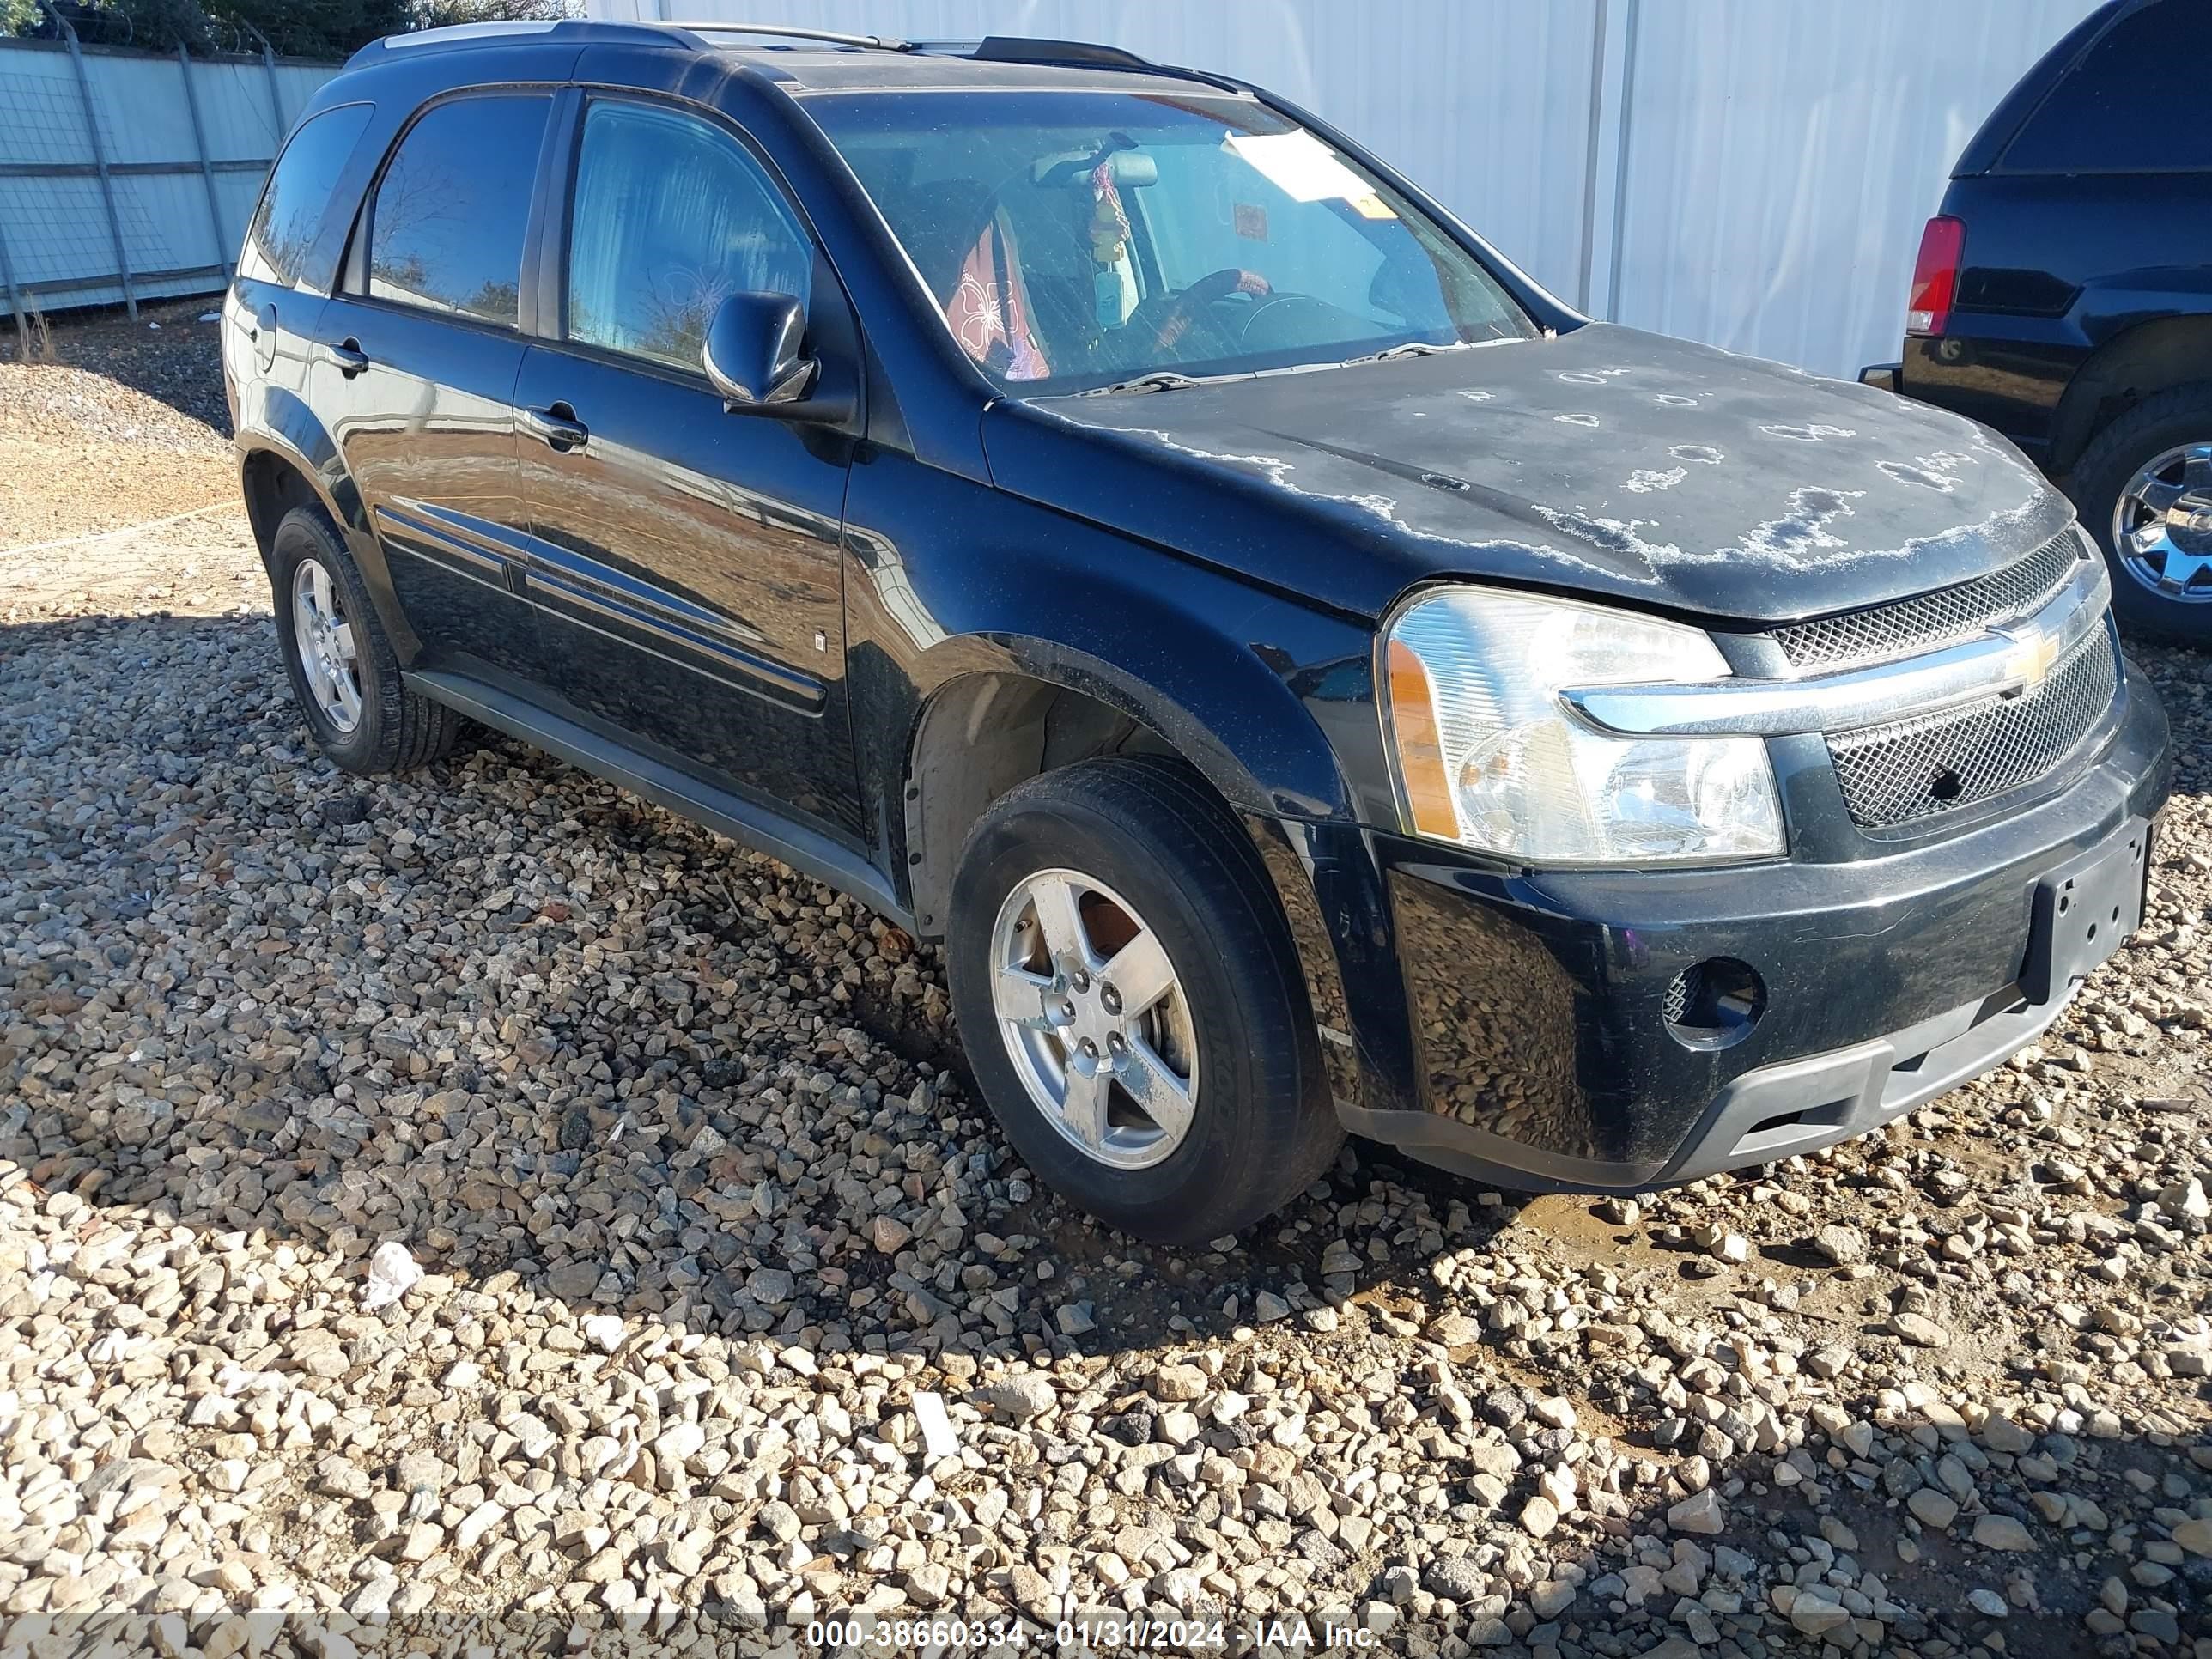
x,y
2063,294
1312,680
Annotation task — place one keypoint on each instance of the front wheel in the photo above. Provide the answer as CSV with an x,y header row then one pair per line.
x,y
1130,1000
2144,491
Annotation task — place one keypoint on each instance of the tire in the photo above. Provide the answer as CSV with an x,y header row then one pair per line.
x,y
392,729
1145,834
2157,426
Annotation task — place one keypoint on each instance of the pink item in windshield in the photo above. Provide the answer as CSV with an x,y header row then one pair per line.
x,y
987,312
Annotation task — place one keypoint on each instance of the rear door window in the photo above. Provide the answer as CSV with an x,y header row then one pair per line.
x,y
447,227
298,197
2117,110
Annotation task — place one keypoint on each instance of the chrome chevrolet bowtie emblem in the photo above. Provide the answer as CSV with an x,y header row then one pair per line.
x,y
2034,650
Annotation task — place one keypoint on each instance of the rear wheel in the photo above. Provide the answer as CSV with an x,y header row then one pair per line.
x,y
1129,997
344,674
2144,491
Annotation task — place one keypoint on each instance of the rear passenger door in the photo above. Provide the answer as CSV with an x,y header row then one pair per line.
x,y
284,270
417,354
686,560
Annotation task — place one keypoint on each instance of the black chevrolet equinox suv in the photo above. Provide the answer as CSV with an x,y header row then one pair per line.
x,y
1099,516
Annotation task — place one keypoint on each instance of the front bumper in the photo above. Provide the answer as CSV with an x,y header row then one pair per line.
x,y
1538,1002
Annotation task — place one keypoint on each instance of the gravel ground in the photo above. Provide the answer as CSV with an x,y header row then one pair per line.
x,y
739,1315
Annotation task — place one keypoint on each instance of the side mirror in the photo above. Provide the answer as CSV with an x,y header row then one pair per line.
x,y
751,354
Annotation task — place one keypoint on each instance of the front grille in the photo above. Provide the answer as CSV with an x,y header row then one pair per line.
x,y
1930,620
1917,768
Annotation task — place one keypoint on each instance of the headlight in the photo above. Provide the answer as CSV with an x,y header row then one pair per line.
x,y
1488,756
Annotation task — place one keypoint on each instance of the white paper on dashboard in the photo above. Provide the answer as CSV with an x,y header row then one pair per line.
x,y
1299,165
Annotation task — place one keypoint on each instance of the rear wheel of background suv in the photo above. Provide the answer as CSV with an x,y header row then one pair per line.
x,y
345,675
2144,489
1129,997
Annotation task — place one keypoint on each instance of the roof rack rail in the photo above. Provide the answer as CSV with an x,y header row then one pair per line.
x,y
1024,49
516,29
790,32
1088,54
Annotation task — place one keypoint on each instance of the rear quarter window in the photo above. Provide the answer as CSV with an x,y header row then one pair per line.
x,y
2118,110
297,198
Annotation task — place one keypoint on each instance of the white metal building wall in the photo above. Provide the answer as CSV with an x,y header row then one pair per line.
x,y
1750,172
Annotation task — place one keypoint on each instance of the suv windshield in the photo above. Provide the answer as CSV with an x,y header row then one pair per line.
x,y
1076,238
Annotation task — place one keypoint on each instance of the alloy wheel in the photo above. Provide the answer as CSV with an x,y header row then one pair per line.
x,y
322,639
2162,524
1097,1021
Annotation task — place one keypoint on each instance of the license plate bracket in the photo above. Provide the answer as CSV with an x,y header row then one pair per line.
x,y
2083,909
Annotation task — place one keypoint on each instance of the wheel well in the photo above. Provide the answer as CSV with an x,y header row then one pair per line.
x,y
979,736
273,487
2130,366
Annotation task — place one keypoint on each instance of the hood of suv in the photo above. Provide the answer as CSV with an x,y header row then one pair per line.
x,y
1607,461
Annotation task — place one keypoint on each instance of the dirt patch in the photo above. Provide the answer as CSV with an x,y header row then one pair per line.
x,y
127,424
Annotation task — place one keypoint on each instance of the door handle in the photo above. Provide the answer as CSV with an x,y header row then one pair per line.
x,y
347,356
556,427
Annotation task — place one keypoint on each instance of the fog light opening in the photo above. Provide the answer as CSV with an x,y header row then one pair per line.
x,y
1714,1004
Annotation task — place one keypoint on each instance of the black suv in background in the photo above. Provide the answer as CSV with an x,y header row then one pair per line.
x,y
2063,295
1310,679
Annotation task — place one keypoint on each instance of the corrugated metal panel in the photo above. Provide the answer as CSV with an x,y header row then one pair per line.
x,y
55,227
1779,156
234,107
141,108
41,118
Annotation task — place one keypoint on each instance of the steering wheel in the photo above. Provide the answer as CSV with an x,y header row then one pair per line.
x,y
1179,313
1268,318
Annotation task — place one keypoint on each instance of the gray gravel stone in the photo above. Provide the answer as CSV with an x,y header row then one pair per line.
x,y
1019,1397
2002,1532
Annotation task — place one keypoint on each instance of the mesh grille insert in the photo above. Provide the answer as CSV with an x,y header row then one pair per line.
x,y
1930,620
1914,768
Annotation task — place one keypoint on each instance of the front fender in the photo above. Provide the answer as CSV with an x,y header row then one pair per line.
x,y
1282,767
1270,697
946,578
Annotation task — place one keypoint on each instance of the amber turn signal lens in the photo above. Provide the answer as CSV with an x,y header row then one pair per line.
x,y
1420,751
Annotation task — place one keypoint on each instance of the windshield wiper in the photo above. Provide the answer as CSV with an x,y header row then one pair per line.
x,y
1410,348
1156,379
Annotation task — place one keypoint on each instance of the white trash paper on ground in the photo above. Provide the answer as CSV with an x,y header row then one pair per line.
x,y
937,1434
392,1274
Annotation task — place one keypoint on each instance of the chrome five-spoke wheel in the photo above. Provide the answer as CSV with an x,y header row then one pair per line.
x,y
322,638
1095,1019
2162,524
